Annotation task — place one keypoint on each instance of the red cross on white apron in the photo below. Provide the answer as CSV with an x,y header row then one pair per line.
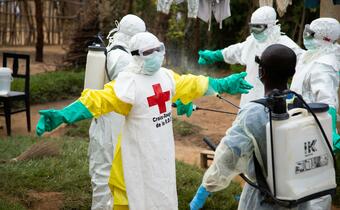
x,y
159,98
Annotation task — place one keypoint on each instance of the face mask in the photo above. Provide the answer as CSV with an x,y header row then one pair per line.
x,y
261,37
309,44
153,63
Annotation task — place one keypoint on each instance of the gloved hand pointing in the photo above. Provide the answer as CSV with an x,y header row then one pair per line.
x,y
232,84
51,119
209,56
199,199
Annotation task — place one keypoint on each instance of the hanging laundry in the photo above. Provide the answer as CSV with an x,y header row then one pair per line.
x,y
220,9
266,3
281,6
312,3
193,8
164,6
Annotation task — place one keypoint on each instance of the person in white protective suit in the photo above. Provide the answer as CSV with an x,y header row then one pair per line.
x,y
144,92
264,32
234,154
104,130
317,76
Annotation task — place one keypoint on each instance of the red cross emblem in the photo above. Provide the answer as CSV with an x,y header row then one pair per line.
x,y
159,98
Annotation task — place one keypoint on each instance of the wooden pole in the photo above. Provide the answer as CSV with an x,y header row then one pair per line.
x,y
40,31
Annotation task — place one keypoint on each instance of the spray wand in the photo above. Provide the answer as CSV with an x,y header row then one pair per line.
x,y
226,100
206,109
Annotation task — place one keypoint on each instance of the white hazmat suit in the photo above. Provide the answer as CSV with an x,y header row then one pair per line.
x,y
104,130
317,72
244,53
264,32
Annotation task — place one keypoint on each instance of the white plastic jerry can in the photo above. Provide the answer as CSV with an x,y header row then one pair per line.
x,y
95,67
303,163
5,80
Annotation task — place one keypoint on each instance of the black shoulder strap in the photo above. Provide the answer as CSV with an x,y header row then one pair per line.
x,y
118,47
106,52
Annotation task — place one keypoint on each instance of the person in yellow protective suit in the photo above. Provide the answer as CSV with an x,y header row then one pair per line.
x,y
144,92
104,130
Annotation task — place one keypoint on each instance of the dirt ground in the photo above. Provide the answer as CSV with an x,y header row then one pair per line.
x,y
52,58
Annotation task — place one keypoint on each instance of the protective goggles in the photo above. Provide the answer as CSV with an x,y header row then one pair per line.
x,y
257,28
308,33
148,51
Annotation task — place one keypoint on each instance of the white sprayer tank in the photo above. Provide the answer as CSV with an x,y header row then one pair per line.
x,y
5,80
303,162
95,68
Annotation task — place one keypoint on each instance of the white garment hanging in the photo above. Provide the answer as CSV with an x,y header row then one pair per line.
x,y
281,6
220,8
193,6
164,6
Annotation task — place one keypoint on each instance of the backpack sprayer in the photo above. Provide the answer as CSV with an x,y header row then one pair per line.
x,y
96,72
300,162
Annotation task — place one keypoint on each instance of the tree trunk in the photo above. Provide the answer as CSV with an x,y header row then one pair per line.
x,y
40,31
302,26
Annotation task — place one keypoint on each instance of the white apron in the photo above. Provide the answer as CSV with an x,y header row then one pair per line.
x,y
148,150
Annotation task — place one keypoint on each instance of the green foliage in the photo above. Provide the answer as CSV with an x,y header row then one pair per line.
x,y
176,29
53,86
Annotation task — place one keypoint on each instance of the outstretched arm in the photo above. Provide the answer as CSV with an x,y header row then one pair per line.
x,y
92,103
231,54
190,87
